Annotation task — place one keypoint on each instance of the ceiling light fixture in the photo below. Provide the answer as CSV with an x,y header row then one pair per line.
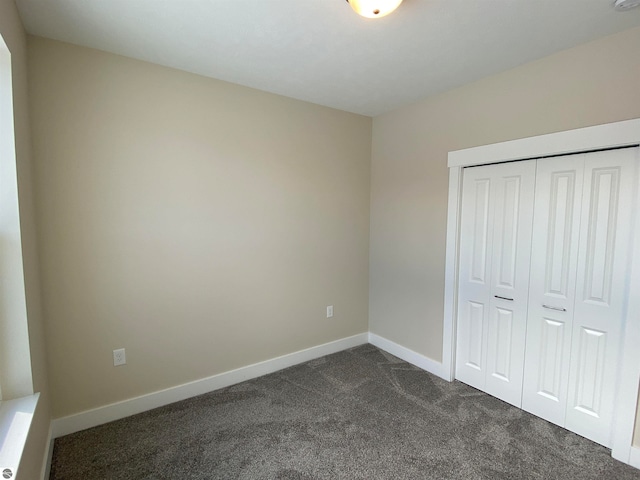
x,y
374,8
622,5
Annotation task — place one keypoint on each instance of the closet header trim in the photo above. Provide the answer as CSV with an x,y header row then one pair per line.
x,y
598,137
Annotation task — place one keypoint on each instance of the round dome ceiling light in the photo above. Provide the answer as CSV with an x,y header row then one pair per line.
x,y
623,5
376,8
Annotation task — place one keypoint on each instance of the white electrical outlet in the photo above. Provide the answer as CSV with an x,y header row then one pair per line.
x,y
330,311
119,357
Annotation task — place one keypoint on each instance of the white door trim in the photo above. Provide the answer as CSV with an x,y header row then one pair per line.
x,y
611,135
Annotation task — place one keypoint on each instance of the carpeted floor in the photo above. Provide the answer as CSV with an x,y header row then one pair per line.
x,y
357,414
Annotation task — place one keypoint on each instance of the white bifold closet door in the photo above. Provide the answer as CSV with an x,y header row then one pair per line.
x,y
554,252
495,246
544,254
578,287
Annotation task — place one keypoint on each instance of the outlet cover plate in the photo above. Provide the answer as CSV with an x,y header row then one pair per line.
x,y
119,357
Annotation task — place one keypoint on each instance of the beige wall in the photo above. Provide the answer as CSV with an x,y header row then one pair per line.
x,y
588,85
36,379
201,225
205,226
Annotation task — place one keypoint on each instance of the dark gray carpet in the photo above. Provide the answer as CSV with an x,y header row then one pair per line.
x,y
357,414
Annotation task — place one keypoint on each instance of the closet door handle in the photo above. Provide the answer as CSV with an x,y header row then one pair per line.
x,y
504,298
559,309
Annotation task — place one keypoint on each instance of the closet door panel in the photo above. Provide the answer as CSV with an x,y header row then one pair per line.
x,y
476,235
544,248
495,241
600,291
513,194
554,256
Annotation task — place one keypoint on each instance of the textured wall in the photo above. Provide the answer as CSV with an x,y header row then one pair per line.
x,y
588,85
201,225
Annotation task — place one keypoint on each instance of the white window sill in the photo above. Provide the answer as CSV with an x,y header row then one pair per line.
x,y
15,421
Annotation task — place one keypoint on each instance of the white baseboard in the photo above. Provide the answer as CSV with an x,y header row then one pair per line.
x,y
634,457
115,411
414,358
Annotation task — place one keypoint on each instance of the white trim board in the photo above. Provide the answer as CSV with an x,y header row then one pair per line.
x,y
599,137
414,358
115,411
451,273
45,472
634,457
612,135
16,420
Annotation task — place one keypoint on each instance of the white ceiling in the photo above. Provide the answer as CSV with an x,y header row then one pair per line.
x,y
321,51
